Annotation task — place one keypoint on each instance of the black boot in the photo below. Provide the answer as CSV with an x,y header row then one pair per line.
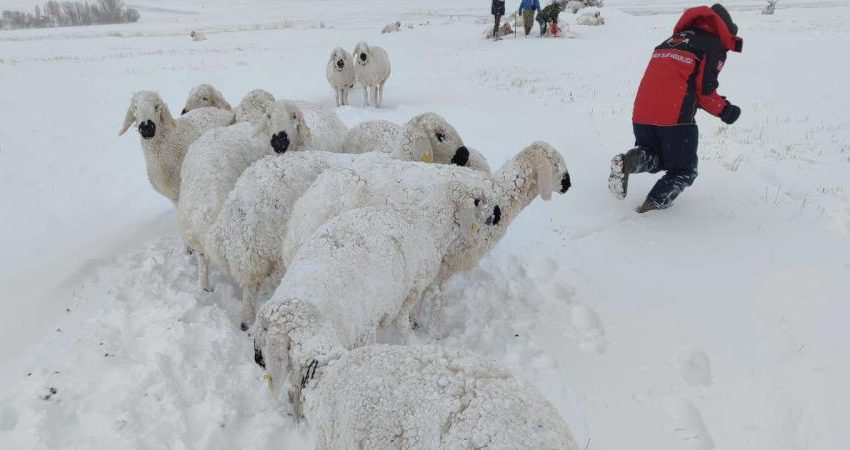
x,y
621,166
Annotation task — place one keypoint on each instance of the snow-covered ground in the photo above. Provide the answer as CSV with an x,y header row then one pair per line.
x,y
721,321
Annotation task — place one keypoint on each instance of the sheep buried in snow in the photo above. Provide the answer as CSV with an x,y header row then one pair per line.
x,y
392,27
445,144
205,96
591,19
215,161
340,74
198,36
165,139
387,396
371,69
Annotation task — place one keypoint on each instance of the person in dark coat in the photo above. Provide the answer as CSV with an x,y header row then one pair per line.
x,y
680,79
497,9
548,16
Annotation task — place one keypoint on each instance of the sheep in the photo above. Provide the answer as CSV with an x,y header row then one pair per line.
x,y
444,143
205,96
371,69
165,139
340,74
591,19
392,396
392,27
327,132
198,36
215,161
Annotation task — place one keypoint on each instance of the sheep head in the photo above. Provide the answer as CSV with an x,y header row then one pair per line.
x,y
340,58
473,209
151,113
205,96
294,343
362,53
253,106
283,124
548,167
435,140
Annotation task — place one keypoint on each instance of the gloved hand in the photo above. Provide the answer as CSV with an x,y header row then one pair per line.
x,y
730,113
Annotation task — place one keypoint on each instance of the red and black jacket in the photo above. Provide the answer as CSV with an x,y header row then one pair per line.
x,y
682,74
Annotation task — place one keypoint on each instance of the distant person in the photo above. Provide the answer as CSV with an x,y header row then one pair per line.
x,y
681,78
527,8
547,18
497,9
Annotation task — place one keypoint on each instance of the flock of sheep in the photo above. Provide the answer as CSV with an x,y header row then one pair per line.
x,y
351,229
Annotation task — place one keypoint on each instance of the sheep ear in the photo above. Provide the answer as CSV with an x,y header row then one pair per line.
x,y
303,128
129,119
225,105
545,180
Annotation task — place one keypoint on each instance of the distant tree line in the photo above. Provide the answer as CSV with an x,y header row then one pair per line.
x,y
68,14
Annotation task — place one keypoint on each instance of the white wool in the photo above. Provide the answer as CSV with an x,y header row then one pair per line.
x,y
164,152
392,27
253,106
574,6
340,74
371,70
406,397
327,132
591,19
205,96
216,160
477,161
198,36
427,137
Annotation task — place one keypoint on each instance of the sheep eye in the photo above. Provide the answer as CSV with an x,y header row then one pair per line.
x,y
156,107
269,116
440,136
295,117
205,99
477,201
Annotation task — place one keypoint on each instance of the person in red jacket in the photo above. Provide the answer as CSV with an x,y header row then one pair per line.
x,y
681,78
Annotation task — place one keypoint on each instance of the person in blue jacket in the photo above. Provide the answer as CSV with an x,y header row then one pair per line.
x,y
527,8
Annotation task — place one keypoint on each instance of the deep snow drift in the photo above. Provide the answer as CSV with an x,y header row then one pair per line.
x,y
721,321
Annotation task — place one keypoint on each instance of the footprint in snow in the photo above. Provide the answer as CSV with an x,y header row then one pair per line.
x,y
589,331
686,421
695,367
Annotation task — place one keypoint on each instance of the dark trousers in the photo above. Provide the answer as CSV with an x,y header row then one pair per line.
x,y
496,26
671,149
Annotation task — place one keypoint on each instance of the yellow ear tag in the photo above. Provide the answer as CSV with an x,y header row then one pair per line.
x,y
475,227
426,158
268,378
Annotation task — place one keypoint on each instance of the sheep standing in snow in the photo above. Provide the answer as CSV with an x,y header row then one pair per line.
x,y
591,19
387,396
371,70
392,27
340,73
205,96
443,143
216,160
165,139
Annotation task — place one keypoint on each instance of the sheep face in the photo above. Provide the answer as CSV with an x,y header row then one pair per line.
x,y
284,126
339,59
446,144
149,111
204,96
550,168
361,53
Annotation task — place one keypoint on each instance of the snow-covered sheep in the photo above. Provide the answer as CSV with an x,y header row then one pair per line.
x,y
392,27
340,74
574,6
198,36
327,132
166,139
253,106
591,19
438,141
372,69
215,161
205,96
390,396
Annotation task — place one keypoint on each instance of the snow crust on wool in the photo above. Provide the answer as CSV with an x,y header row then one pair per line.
x,y
205,96
327,132
252,108
383,396
372,135
212,165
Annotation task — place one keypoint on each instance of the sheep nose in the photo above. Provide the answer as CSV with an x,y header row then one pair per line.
x,y
340,64
496,217
258,357
183,112
565,183
280,142
362,57
147,129
461,157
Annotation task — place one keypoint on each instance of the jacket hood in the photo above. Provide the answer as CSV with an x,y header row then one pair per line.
x,y
715,20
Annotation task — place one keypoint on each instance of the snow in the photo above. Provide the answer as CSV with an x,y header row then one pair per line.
x,y
721,320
